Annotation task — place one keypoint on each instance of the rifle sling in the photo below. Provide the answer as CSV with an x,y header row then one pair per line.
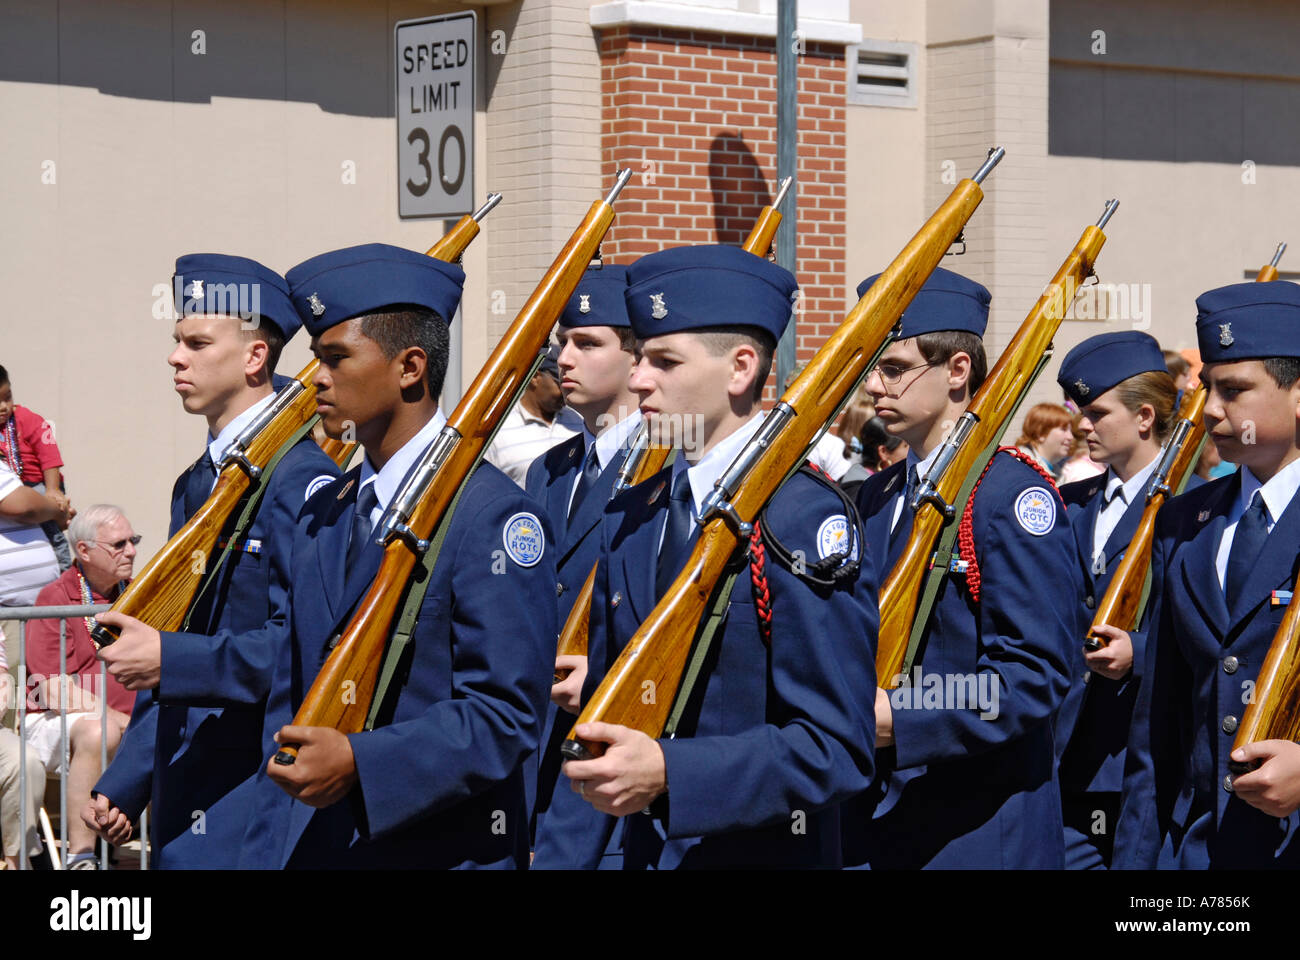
x,y
253,499
941,561
416,587
418,584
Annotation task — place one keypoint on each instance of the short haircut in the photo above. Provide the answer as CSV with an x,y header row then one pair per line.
x,y
4,376
405,325
268,333
84,527
1156,388
1041,420
1176,363
718,340
1285,371
942,345
627,341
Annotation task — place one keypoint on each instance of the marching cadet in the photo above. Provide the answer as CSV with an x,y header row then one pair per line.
x,y
194,742
439,780
1123,390
573,480
777,729
1224,563
967,781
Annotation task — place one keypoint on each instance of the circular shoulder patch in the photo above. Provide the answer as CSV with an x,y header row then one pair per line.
x,y
312,488
833,537
1036,510
523,539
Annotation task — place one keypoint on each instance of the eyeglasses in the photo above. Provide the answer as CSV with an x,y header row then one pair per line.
x,y
891,373
117,546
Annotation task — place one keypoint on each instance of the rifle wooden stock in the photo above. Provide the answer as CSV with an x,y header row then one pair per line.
x,y
992,405
1274,713
655,658
341,693
1121,604
164,590
573,635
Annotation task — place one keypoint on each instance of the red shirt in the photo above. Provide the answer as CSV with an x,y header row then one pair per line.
x,y
36,446
43,645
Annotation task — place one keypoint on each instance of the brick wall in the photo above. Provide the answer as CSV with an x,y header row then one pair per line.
x,y
694,114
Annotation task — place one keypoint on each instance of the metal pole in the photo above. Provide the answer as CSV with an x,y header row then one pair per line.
x,y
65,762
23,862
103,748
787,135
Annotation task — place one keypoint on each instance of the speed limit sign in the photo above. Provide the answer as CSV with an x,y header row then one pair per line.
x,y
435,115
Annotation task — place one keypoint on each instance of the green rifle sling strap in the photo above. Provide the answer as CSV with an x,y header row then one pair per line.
x,y
712,622
416,588
941,560
253,499
418,584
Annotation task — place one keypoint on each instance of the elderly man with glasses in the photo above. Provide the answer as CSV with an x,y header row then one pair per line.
x,y
103,544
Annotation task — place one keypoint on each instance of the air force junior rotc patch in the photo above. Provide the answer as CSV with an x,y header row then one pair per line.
x,y
1036,511
316,484
523,539
833,538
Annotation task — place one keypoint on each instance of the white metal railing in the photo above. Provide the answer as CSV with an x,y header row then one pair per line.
x,y
23,615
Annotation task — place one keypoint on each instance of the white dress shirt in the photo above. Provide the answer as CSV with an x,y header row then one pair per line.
x,y
608,444
218,445
1277,493
391,475
1116,498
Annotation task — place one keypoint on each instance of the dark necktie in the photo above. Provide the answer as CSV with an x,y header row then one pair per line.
x,y
590,474
679,534
903,528
198,485
361,525
1247,544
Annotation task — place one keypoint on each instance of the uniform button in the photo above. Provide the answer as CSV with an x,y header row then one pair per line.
x,y
1230,664
559,589
334,640
1227,783
1090,602
616,599
1229,724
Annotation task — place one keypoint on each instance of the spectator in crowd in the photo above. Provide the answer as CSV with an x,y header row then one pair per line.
x,y
536,423
104,544
11,783
28,447
1210,465
859,410
1046,436
27,560
879,450
1178,368
1079,466
828,455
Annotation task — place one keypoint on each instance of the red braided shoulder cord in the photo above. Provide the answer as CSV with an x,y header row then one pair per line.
x,y
966,532
758,579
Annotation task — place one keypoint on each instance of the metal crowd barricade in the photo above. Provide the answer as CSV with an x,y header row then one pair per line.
x,y
23,615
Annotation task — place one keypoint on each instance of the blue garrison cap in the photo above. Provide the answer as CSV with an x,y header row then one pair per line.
x,y
1248,321
948,301
598,301
347,283
693,288
1103,361
234,286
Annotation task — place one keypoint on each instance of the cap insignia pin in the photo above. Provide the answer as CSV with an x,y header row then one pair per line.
x,y
317,308
1081,387
657,302
1225,335
584,304
196,290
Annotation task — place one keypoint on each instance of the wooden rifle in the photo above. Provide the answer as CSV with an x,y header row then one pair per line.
x,y
658,651
966,446
1126,595
164,591
1268,271
341,694
644,461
